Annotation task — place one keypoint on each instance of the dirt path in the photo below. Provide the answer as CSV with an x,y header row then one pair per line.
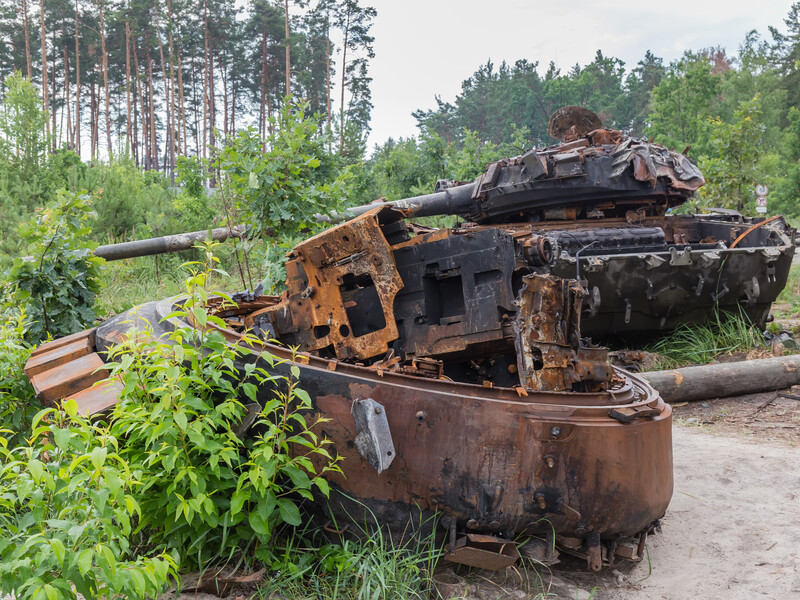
x,y
732,530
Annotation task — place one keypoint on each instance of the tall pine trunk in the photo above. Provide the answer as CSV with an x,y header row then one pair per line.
x,y
288,54
104,61
27,39
45,93
344,81
77,85
151,104
128,122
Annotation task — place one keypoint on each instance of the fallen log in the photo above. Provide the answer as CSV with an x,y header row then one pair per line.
x,y
726,379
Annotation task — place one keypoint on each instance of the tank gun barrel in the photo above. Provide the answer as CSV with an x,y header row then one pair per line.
x,y
167,243
451,201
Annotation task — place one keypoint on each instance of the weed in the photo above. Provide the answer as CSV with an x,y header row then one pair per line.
x,y
698,344
376,566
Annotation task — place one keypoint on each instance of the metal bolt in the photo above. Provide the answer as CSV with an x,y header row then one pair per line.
x,y
541,501
549,460
556,431
420,415
378,410
472,524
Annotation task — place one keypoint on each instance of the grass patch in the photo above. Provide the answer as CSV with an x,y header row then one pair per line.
x,y
699,344
374,567
791,293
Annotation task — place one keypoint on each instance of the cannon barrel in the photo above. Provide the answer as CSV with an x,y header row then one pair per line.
x,y
451,201
167,243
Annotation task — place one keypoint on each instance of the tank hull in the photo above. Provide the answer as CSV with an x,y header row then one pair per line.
x,y
486,460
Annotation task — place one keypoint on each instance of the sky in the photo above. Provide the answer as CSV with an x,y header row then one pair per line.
x,y
425,48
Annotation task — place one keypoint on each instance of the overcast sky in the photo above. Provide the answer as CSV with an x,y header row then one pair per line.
x,y
428,47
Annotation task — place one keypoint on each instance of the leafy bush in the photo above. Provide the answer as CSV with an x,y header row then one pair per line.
x,y
18,405
62,277
66,515
206,492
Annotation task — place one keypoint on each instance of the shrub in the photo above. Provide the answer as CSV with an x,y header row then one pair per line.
x,y
18,405
62,277
206,492
66,514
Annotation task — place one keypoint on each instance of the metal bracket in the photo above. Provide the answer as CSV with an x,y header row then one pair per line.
x,y
373,439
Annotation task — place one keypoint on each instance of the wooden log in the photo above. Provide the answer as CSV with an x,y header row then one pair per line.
x,y
726,379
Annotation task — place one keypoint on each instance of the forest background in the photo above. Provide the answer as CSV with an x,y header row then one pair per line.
x,y
178,115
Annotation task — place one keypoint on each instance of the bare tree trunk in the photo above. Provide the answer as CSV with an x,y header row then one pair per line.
x,y
175,122
146,160
212,109
206,103
53,93
262,117
104,61
27,39
169,150
288,55
224,95
153,137
45,94
195,105
344,81
328,73
182,103
67,108
128,86
77,85
92,124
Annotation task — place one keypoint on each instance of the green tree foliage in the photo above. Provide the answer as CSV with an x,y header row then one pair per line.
x,y
206,490
285,184
60,280
18,405
731,172
683,103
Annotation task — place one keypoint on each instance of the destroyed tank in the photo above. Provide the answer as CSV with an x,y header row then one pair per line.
x,y
456,384
600,204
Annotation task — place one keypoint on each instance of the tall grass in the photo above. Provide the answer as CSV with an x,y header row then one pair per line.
x,y
375,566
690,343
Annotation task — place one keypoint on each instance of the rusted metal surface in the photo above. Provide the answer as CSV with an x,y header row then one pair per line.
x,y
491,460
341,289
550,354
484,551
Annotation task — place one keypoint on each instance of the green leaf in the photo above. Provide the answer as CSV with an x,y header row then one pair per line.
x,y
238,500
58,549
98,457
180,420
61,437
289,512
36,468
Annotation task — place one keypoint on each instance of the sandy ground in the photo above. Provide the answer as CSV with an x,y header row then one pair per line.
x,y
732,530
